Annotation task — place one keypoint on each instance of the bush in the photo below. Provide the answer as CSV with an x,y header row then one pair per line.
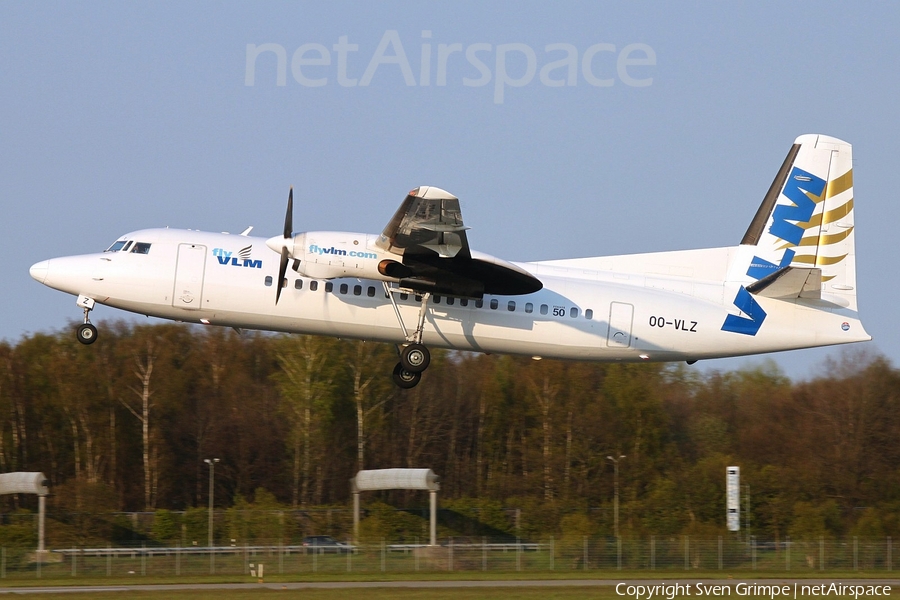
x,y
19,538
166,528
195,522
262,522
384,522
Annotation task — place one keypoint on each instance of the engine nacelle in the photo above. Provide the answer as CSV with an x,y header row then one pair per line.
x,y
332,254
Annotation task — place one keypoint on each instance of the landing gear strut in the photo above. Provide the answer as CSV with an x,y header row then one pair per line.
x,y
414,356
86,333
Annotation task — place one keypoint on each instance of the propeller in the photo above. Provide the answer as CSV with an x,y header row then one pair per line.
x,y
288,235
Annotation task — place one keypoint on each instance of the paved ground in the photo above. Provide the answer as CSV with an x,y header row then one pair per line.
x,y
519,583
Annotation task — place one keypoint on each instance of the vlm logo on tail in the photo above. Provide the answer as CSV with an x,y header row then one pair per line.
x,y
804,190
242,260
750,324
787,224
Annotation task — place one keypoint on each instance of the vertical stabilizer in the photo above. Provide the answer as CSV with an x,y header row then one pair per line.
x,y
806,221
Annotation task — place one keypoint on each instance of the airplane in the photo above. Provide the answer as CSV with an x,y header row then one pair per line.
x,y
789,284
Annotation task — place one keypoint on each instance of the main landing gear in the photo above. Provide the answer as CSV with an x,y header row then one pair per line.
x,y
414,356
86,333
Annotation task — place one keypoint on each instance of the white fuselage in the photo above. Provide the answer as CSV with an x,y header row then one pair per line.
x,y
661,307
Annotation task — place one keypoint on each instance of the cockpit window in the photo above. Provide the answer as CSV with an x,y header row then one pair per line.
x,y
141,248
127,247
117,246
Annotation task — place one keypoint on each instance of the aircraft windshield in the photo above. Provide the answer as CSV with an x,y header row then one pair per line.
x,y
117,246
130,246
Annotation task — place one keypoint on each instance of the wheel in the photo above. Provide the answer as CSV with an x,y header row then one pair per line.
x,y
415,358
406,379
86,333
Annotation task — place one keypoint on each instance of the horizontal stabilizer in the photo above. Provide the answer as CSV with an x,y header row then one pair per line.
x,y
789,283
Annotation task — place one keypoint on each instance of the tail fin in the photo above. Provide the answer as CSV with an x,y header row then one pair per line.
x,y
806,221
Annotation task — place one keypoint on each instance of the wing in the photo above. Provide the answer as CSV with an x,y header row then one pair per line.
x,y
428,222
427,231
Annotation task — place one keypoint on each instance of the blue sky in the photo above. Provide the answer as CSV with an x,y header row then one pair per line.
x,y
120,116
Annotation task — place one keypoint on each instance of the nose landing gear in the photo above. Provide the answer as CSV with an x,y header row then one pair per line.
x,y
86,332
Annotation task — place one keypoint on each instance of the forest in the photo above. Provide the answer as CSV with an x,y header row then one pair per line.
x,y
125,425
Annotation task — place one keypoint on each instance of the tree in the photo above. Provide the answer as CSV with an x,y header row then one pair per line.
x,y
144,363
307,382
365,362
544,388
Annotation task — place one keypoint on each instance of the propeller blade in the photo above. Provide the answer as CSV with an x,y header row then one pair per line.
x,y
289,216
282,269
288,234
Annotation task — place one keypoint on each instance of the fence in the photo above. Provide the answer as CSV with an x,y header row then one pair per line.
x,y
568,554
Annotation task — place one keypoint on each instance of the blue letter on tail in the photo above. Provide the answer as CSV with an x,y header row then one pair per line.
x,y
798,184
750,324
760,267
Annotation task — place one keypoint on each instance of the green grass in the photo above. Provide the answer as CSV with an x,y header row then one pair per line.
x,y
625,575
594,593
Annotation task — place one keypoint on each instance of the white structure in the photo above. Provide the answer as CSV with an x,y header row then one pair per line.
x,y
733,497
29,483
396,479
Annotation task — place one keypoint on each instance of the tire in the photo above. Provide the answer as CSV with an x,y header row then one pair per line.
x,y
415,358
405,379
86,334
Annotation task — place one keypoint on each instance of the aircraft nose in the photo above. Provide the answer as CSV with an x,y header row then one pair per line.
x,y
39,270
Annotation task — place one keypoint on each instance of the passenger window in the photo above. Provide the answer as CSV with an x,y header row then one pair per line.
x,y
544,309
141,248
370,291
329,287
344,288
450,301
511,307
494,304
479,303
404,296
436,299
298,284
463,301
589,314
357,290
574,312
268,280
313,286
284,283
529,307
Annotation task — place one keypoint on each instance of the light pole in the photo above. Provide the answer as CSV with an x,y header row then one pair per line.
x,y
615,462
212,470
